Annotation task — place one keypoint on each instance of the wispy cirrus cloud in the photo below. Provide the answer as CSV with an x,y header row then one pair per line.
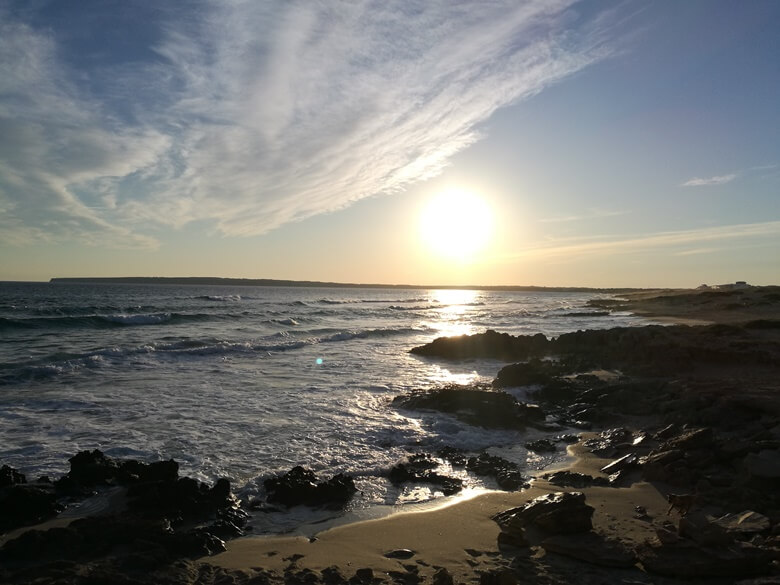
x,y
705,240
254,114
594,214
718,180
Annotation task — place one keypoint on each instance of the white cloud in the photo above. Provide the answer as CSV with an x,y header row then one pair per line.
x,y
261,113
719,180
573,248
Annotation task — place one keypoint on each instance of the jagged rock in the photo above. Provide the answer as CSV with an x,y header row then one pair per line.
x,y
574,479
92,467
694,439
541,446
553,513
535,371
626,462
591,548
608,441
506,473
299,487
747,522
417,468
442,577
479,406
10,476
457,457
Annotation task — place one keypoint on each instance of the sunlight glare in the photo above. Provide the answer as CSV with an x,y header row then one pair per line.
x,y
456,225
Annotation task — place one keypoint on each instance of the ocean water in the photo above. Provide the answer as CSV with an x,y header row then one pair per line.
x,y
247,382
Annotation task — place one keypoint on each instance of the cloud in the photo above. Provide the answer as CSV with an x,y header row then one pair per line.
x,y
591,215
254,114
573,248
719,180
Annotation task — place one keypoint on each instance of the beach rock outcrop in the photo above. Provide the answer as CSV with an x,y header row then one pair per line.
x,y
10,476
534,371
419,469
475,405
687,559
506,473
23,504
490,344
553,513
591,548
299,486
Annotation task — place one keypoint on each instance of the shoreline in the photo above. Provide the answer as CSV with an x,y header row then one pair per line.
x,y
695,409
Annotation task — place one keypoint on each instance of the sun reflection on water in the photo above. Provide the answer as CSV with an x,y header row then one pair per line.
x,y
453,308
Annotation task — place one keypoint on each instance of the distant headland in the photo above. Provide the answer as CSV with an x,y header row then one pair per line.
x,y
215,281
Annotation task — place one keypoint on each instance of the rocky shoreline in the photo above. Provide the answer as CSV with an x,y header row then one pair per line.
x,y
685,413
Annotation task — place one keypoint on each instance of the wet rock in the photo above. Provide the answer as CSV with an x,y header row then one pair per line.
x,y
506,473
609,441
10,476
418,469
362,576
535,371
574,479
591,548
475,405
92,467
456,457
553,513
400,553
541,446
490,344
626,462
299,486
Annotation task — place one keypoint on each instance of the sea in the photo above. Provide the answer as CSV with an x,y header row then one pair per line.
x,y
246,382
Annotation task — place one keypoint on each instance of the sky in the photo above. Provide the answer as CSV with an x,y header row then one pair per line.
x,y
549,142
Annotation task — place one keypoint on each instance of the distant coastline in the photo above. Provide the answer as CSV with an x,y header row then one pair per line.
x,y
216,281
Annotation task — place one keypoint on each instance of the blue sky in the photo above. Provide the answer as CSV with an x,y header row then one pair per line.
x,y
617,143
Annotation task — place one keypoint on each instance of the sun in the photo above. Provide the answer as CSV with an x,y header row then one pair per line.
x,y
456,225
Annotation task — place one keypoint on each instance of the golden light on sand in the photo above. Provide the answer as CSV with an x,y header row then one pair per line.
x,y
456,225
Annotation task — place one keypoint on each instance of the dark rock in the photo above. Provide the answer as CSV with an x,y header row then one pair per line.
x,y
299,487
400,553
541,446
697,527
333,576
23,504
456,457
554,513
92,467
764,464
442,577
574,479
474,405
747,522
506,473
608,442
490,344
626,462
417,469
362,576
689,560
10,476
693,439
498,577
591,548
535,371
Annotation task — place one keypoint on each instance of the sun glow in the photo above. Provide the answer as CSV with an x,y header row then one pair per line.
x,y
456,225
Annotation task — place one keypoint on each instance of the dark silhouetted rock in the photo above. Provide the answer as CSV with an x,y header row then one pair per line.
x,y
687,559
541,446
10,476
535,371
490,344
574,479
442,577
626,462
418,469
554,513
474,405
92,467
299,486
23,504
506,473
